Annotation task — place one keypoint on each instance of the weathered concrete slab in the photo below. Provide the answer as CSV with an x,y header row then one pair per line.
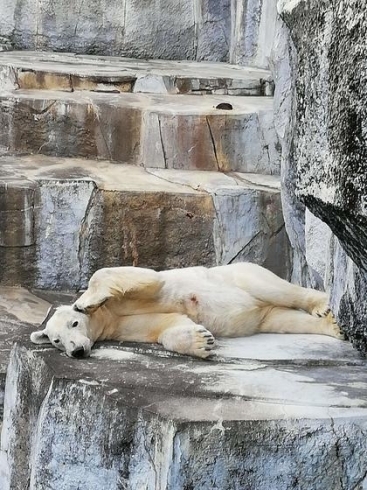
x,y
193,218
171,29
70,72
163,131
136,416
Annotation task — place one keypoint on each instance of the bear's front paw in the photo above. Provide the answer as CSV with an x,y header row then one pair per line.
x,y
203,342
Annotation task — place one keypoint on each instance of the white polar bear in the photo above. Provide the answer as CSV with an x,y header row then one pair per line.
x,y
183,309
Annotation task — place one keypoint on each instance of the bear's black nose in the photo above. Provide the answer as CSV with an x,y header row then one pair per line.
x,y
78,353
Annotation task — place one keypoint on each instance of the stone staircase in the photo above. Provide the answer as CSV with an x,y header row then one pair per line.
x,y
97,150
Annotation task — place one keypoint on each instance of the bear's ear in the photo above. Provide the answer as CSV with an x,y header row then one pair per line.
x,y
40,337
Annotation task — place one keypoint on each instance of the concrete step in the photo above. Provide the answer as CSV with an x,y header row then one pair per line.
x,y
61,219
213,30
265,412
164,131
71,72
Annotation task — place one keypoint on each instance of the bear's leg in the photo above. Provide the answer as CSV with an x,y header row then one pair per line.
x,y
118,282
174,331
271,289
189,338
286,320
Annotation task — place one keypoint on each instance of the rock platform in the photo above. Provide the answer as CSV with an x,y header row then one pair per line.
x,y
268,411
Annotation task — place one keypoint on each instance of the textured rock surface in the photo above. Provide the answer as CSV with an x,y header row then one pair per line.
x,y
193,218
283,66
69,72
213,30
253,31
162,131
328,158
139,417
20,312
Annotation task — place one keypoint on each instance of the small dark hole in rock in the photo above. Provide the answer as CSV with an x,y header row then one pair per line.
x,y
225,106
189,215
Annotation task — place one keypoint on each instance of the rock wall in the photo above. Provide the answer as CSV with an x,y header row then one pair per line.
x,y
215,30
142,418
323,90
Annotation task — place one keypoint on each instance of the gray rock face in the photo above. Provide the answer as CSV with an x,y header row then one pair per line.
x,y
139,417
161,131
283,66
214,30
85,214
328,158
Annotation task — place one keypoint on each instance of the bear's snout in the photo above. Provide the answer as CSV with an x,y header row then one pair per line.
x,y
79,353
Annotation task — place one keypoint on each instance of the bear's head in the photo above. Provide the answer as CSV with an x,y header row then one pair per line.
x,y
68,330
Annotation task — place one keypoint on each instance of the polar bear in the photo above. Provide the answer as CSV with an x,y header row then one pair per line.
x,y
183,309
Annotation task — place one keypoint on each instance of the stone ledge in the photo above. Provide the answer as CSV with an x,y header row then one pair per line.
x,y
140,415
163,131
72,72
268,411
194,217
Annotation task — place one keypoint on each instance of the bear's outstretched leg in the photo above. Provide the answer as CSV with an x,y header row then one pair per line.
x,y
191,339
271,289
286,320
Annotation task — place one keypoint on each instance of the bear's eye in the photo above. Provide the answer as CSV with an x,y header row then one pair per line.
x,y
56,341
75,324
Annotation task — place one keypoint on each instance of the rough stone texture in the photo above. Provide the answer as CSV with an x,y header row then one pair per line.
x,y
213,30
193,218
283,65
253,31
16,214
186,132
329,150
292,415
20,312
69,72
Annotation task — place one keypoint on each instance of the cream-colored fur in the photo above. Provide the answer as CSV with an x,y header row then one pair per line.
x,y
183,309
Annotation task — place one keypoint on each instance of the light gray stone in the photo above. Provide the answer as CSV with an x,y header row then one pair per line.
x,y
90,214
62,208
283,65
318,236
71,72
121,128
213,25
253,29
286,418
171,29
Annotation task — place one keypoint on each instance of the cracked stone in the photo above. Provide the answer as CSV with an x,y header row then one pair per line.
x,y
193,218
122,128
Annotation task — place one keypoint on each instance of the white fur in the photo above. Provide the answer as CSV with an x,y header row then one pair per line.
x,y
183,308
